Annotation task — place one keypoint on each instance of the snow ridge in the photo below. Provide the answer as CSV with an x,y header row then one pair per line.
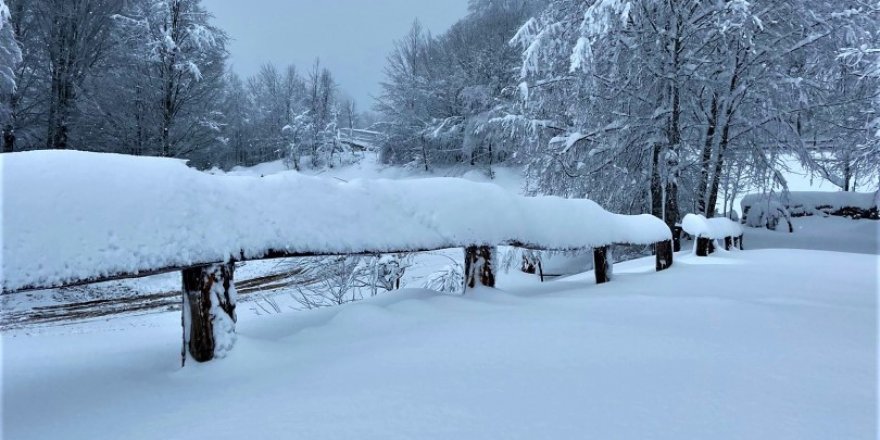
x,y
74,216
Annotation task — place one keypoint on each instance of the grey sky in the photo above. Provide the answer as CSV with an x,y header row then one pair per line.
x,y
352,37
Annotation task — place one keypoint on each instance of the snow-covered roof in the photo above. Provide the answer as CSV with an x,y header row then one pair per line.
x,y
72,216
715,228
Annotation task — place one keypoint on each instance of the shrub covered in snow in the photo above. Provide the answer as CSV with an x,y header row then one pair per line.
x,y
450,279
768,214
804,203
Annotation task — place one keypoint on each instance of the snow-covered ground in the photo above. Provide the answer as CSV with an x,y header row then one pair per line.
x,y
772,343
826,233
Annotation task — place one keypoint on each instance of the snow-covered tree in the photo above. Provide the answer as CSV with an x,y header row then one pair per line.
x,y
10,57
441,92
642,104
76,38
183,56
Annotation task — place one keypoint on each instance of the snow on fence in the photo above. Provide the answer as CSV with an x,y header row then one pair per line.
x,y
759,209
75,218
707,231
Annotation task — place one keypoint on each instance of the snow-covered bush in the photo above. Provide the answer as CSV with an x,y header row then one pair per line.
x,y
806,203
768,214
330,281
389,269
450,279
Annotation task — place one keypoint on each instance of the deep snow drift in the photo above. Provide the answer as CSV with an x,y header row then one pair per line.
x,y
774,344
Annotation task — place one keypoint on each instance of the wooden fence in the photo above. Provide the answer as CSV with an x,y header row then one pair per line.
x,y
104,217
707,232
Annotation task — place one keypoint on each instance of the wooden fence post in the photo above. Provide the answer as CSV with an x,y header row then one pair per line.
x,y
208,311
704,246
479,267
664,254
603,264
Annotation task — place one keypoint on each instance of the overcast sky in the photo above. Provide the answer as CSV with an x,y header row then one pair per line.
x,y
352,37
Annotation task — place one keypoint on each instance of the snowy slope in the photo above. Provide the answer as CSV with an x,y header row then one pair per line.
x,y
757,344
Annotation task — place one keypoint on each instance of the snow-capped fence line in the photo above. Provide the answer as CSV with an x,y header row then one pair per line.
x,y
75,218
707,230
806,203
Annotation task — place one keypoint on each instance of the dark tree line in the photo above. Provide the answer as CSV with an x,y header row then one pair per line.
x,y
149,77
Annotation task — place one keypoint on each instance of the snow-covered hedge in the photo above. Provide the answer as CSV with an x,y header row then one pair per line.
x,y
803,203
70,216
768,214
715,228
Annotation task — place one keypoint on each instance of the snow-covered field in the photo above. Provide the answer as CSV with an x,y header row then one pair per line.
x,y
776,342
772,343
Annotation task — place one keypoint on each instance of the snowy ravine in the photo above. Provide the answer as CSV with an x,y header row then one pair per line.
x,y
756,344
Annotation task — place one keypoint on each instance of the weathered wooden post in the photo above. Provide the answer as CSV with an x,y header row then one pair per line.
x,y
740,242
603,264
479,262
704,246
727,243
664,254
208,311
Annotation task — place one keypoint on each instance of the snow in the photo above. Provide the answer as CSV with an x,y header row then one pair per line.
x,y
715,228
76,215
754,344
838,234
810,202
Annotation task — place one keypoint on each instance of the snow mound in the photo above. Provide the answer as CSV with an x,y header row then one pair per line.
x,y
801,203
71,216
715,228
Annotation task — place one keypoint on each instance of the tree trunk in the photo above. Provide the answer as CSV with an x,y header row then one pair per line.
x,y
706,159
716,175
209,311
670,213
725,140
656,183
479,266
9,128
603,261
8,138
59,105
671,209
